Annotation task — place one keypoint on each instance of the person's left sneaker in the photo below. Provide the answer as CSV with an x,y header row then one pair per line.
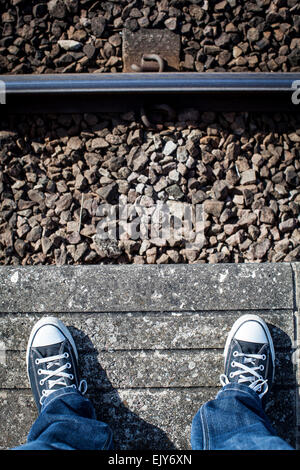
x,y
52,359
249,355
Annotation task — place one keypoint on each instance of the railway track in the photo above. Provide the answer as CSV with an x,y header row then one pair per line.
x,y
267,92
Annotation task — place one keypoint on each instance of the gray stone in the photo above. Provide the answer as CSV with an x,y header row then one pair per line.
x,y
89,50
81,182
174,175
247,219
213,207
161,184
34,234
69,44
74,143
267,215
140,161
193,148
73,238
98,24
46,244
198,197
36,196
260,249
109,192
248,177
57,8
287,225
63,203
106,248
220,189
235,239
253,35
181,154
169,148
232,177
174,191
99,143
20,247
171,23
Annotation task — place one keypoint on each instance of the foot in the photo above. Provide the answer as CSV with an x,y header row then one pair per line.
x,y
249,355
52,359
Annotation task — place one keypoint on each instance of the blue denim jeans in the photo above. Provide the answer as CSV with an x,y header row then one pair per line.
x,y
68,422
234,420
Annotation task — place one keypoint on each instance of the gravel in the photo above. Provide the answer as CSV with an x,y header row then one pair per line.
x,y
57,170
63,36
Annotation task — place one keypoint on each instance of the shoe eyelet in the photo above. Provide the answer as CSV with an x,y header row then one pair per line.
x,y
68,365
261,367
39,371
235,354
264,357
71,376
231,375
66,355
41,382
232,364
37,361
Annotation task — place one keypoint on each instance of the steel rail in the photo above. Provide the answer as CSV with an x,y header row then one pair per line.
x,y
123,91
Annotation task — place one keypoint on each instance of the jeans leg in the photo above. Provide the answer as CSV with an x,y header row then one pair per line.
x,y
234,420
68,421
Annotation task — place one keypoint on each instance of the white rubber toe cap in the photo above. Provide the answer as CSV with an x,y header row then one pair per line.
x,y
47,335
251,331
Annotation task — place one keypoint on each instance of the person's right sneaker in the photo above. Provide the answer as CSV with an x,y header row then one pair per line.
x,y
249,356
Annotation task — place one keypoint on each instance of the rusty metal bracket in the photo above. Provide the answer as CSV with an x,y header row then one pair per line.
x,y
162,110
150,63
150,50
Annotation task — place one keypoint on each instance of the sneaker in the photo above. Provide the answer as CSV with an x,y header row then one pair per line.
x,y
52,359
249,355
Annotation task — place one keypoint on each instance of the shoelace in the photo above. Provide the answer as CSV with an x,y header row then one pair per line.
x,y
257,383
59,373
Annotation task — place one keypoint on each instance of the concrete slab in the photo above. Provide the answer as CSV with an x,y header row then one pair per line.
x,y
296,356
113,288
150,342
119,331
143,369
